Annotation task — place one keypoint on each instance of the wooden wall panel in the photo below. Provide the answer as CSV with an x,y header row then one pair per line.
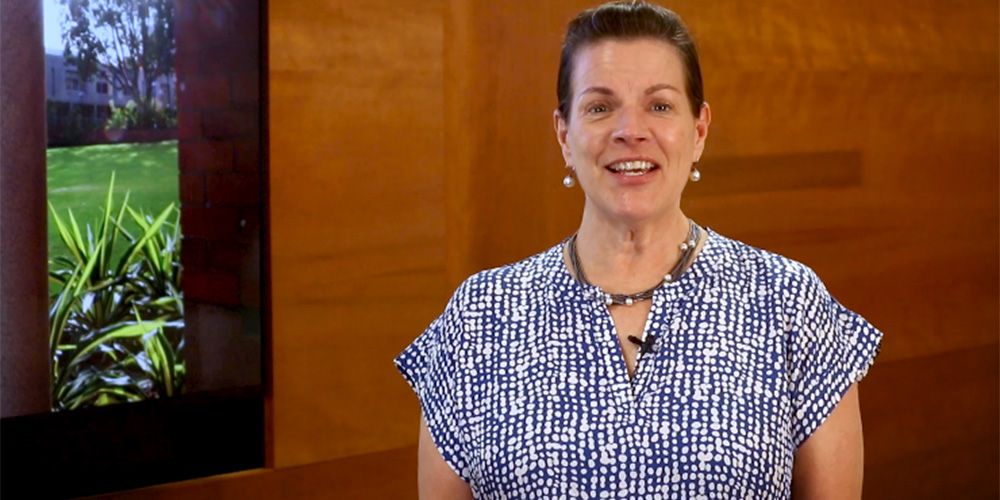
x,y
412,144
925,442
357,219
386,475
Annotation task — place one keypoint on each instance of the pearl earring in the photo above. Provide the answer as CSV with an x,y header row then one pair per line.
x,y
569,181
695,174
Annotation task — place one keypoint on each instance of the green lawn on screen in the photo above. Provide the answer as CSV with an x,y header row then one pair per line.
x,y
78,180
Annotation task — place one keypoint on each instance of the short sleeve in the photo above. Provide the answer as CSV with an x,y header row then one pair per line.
x,y
831,348
430,365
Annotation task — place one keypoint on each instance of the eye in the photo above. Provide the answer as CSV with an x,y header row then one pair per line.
x,y
597,108
662,107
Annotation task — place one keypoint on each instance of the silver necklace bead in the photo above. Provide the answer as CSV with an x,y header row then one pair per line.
x,y
687,247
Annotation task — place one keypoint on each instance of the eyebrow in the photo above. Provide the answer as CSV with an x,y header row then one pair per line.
x,y
597,90
651,90
661,86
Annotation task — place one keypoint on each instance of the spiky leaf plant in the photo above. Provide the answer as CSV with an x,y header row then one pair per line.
x,y
117,319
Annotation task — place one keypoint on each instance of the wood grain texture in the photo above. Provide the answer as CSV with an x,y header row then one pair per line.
x,y
783,172
373,475
357,218
932,427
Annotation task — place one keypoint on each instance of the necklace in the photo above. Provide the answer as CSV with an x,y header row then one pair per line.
x,y
687,252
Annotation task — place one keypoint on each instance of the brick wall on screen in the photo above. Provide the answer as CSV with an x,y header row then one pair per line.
x,y
218,99
217,64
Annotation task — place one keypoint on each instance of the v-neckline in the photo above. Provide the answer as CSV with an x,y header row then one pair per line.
x,y
629,389
633,379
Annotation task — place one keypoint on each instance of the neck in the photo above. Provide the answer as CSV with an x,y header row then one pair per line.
x,y
627,256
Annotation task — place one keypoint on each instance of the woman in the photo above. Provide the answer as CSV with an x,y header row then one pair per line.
x,y
646,356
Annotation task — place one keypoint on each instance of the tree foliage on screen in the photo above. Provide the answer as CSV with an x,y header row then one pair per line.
x,y
131,42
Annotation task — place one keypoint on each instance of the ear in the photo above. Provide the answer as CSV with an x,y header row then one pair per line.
x,y
701,130
561,128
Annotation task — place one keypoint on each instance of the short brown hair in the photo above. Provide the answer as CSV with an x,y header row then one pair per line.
x,y
628,20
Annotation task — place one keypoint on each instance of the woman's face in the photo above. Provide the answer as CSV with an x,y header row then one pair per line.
x,y
631,137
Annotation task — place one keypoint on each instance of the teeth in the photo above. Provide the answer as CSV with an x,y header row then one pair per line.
x,y
637,167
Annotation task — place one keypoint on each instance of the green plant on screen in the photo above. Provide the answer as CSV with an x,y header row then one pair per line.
x,y
117,316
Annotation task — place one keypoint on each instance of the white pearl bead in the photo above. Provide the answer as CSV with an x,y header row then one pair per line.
x,y
628,301
684,246
569,181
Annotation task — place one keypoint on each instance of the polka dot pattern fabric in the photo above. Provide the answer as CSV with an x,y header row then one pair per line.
x,y
524,389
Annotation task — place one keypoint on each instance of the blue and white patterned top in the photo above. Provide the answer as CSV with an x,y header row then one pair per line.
x,y
524,389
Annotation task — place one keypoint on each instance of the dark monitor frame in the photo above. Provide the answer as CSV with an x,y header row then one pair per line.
x,y
126,446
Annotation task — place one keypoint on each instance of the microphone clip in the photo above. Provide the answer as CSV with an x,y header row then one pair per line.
x,y
645,345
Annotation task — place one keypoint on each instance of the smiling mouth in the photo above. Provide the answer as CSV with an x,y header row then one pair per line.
x,y
632,167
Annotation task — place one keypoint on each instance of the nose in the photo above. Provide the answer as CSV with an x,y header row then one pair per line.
x,y
631,128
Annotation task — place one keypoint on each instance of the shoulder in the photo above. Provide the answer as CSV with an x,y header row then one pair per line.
x,y
746,263
495,301
504,292
758,272
526,276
